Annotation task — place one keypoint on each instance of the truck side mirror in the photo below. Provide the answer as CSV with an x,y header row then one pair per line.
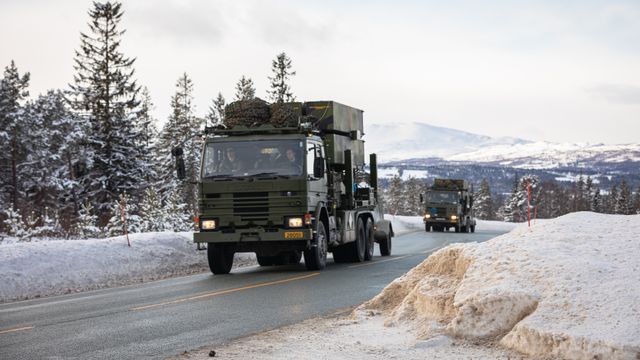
x,y
180,171
318,167
421,198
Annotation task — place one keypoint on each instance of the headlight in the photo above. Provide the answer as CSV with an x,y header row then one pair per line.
x,y
294,222
454,217
427,216
208,224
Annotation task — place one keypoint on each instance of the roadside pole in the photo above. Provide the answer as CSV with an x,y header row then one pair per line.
x,y
124,219
529,203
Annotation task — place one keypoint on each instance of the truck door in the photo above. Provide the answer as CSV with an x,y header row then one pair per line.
x,y
317,185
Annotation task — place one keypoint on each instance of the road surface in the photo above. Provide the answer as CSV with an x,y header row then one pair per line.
x,y
165,318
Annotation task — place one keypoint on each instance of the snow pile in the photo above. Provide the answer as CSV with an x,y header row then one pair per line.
x,y
569,287
35,269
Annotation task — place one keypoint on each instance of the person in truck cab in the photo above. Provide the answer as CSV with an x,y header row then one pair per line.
x,y
232,163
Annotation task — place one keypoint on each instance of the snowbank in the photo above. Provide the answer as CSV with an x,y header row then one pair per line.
x,y
569,288
35,269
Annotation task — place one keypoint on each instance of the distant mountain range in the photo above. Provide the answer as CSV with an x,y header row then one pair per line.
x,y
426,151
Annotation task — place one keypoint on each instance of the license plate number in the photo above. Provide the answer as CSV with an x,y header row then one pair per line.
x,y
440,218
293,235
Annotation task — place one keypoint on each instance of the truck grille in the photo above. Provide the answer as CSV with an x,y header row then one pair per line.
x,y
253,206
441,212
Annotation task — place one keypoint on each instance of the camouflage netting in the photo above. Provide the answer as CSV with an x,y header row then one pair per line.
x,y
248,113
284,115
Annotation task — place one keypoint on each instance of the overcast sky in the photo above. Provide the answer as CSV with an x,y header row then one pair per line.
x,y
540,70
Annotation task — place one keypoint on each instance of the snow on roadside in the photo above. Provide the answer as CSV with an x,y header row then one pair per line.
x,y
52,267
569,288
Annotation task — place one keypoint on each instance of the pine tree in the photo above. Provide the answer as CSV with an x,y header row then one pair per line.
x,y
115,226
394,196
106,94
153,214
215,116
245,89
14,129
482,202
411,195
181,130
623,200
587,194
86,225
596,201
178,216
518,202
578,195
636,201
280,88
612,199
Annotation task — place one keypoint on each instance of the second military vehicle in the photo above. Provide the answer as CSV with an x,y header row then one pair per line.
x,y
449,204
291,189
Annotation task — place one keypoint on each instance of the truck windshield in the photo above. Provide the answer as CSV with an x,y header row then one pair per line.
x,y
253,158
448,197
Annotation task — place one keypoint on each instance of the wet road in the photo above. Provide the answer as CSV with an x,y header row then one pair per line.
x,y
167,317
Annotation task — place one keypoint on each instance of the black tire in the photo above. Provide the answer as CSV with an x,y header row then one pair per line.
x,y
358,246
457,228
385,246
473,228
427,228
369,241
315,258
463,229
220,258
341,253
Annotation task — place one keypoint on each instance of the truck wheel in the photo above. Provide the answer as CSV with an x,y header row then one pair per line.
x,y
427,228
369,241
473,228
316,257
358,246
220,258
385,246
463,229
457,228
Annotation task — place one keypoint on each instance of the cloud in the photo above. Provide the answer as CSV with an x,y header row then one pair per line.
x,y
617,93
191,22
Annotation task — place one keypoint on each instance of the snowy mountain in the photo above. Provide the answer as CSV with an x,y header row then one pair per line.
x,y
394,142
426,152
420,143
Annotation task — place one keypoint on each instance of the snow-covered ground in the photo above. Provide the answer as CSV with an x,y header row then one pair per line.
x,y
52,267
566,288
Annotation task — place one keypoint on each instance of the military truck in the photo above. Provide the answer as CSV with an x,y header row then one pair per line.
x,y
449,204
285,191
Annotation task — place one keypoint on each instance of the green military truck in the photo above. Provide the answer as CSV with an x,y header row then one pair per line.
x,y
290,189
449,204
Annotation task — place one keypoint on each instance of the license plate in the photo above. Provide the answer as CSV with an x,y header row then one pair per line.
x,y
293,235
440,218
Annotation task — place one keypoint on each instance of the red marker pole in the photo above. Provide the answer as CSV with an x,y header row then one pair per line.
x,y
529,203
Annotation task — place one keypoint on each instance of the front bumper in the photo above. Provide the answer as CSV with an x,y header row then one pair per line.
x,y
253,235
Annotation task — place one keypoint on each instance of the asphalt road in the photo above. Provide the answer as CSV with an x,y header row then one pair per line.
x,y
167,317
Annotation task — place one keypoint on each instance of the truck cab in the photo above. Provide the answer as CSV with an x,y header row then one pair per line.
x,y
449,204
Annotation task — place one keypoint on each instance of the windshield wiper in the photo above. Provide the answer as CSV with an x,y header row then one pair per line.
x,y
218,176
270,173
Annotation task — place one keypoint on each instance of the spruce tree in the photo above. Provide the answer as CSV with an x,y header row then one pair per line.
x,y
411,194
394,196
215,116
636,201
596,201
483,202
14,129
623,200
181,130
280,88
612,199
578,194
245,89
105,93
